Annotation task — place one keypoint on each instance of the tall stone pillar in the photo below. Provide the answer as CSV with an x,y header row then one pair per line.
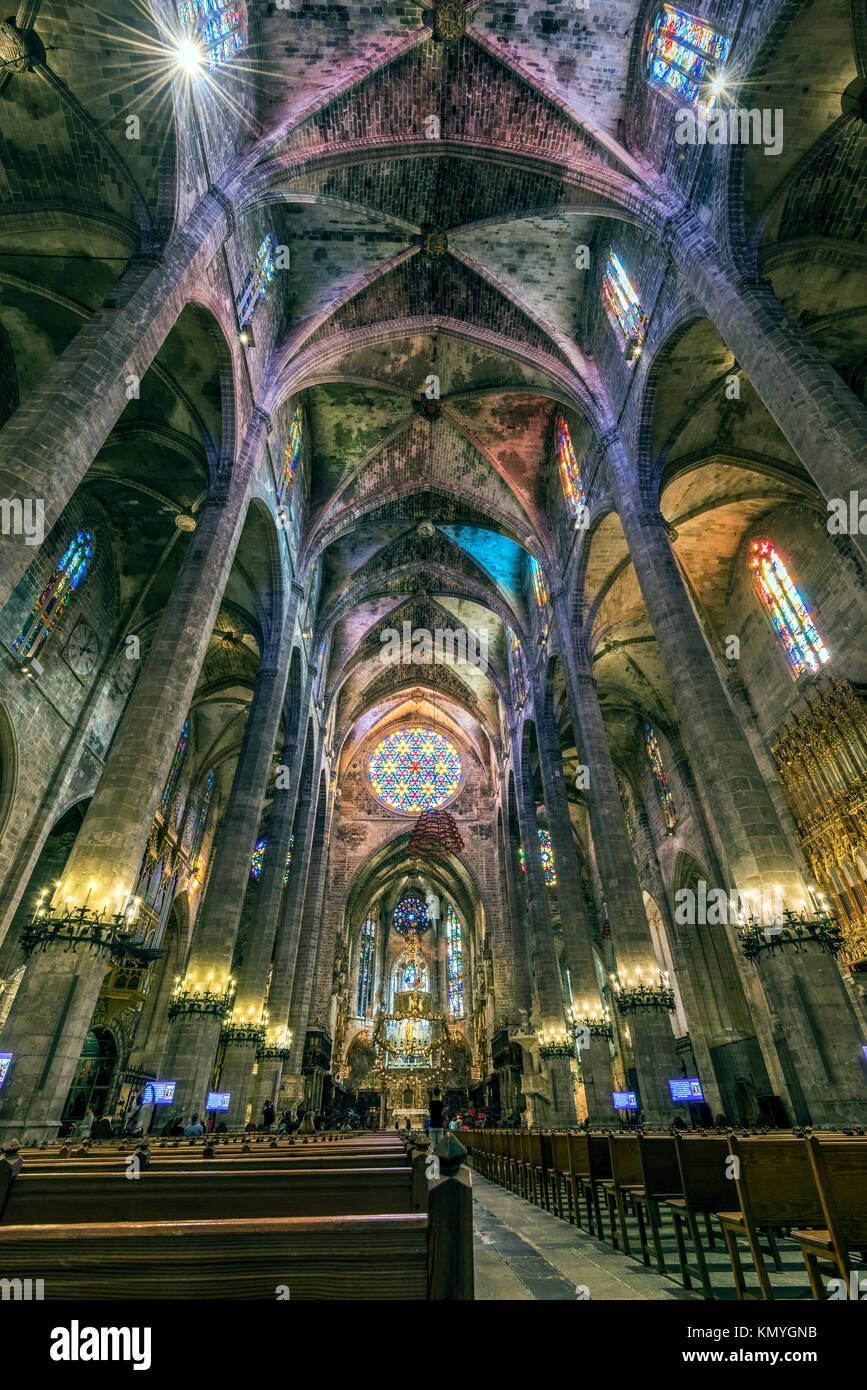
x,y
51,1014
822,419
652,1040
194,1036
311,940
239,1057
548,996
516,889
273,1071
596,1072
757,856
48,444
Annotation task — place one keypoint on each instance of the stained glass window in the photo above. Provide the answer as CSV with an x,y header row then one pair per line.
x,y
684,56
415,770
516,656
411,915
320,670
621,297
291,455
546,854
204,811
627,814
257,858
540,589
666,800
365,965
216,25
52,602
260,276
175,772
288,860
787,610
570,477
454,954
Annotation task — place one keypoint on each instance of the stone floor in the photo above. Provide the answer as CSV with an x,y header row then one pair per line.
x,y
523,1252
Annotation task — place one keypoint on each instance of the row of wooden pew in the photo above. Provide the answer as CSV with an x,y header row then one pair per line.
x,y
176,1219
749,1187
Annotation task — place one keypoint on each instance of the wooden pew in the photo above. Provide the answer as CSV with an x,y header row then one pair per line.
x,y
625,1179
775,1187
61,1199
660,1181
591,1167
705,1189
562,1183
312,1257
840,1173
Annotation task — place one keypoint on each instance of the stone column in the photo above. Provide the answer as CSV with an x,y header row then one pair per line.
x,y
272,1071
194,1038
757,855
49,443
51,1013
596,1073
822,419
517,891
311,940
652,1040
547,993
237,1072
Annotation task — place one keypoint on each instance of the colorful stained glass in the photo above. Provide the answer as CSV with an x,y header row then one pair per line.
x,y
666,800
320,671
52,602
291,455
546,854
540,589
415,770
217,25
788,612
627,814
570,477
685,56
516,658
257,859
411,915
175,772
621,297
455,960
204,812
288,860
260,276
365,965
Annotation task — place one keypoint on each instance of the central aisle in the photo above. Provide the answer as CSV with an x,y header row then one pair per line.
x,y
521,1252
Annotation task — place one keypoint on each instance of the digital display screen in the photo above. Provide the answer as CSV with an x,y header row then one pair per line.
x,y
686,1088
159,1092
624,1100
218,1100
5,1060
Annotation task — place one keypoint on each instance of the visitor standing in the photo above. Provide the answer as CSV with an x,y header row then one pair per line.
x,y
267,1115
436,1118
194,1128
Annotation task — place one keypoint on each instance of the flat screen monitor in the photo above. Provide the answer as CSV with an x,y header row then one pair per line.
x,y
686,1088
625,1100
218,1100
159,1092
5,1063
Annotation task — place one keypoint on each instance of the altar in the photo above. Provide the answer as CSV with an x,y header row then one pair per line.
x,y
415,1117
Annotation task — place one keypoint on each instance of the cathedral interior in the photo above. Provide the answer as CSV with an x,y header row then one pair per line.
x,y
434,581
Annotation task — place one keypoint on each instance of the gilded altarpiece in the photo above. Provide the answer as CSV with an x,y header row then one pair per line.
x,y
822,760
